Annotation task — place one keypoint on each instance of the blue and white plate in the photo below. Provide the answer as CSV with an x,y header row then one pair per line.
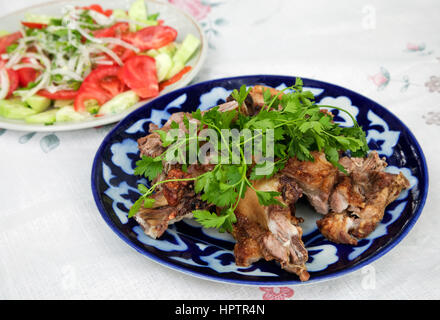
x,y
189,248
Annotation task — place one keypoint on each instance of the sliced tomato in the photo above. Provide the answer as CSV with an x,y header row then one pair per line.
x,y
153,37
59,95
86,95
13,81
112,85
98,8
139,74
124,53
34,25
26,75
175,78
115,31
7,40
101,85
108,12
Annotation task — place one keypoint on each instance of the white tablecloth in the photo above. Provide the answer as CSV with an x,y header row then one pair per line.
x,y
53,242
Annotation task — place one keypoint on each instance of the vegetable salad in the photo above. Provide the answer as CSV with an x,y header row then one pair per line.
x,y
89,62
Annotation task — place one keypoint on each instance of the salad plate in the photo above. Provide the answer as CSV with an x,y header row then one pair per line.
x,y
168,14
188,247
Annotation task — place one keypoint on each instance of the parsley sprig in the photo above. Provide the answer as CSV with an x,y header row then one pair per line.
x,y
299,126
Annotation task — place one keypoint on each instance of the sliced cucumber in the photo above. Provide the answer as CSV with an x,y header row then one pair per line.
x,y
47,117
163,66
119,103
152,53
170,49
138,11
147,23
37,18
67,114
38,103
187,49
120,14
175,69
15,109
184,52
63,103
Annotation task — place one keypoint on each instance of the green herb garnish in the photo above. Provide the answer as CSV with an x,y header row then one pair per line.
x,y
298,126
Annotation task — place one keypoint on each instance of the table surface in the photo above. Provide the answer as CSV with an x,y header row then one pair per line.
x,y
55,245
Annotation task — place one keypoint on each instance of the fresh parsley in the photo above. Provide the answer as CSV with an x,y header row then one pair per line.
x,y
148,167
299,126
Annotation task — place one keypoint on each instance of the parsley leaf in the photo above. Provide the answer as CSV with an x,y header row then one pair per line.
x,y
266,198
209,219
223,221
135,207
148,167
240,96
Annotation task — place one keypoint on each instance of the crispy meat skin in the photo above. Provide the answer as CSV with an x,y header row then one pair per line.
x,y
353,204
154,221
359,200
270,232
315,178
175,190
174,201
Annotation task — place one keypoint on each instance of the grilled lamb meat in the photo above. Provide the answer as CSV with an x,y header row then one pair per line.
x,y
155,220
174,201
151,145
256,94
255,100
354,203
316,179
359,200
350,190
270,232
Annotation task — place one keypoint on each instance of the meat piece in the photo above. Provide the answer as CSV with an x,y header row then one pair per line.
x,y
256,94
151,145
229,106
270,232
359,200
249,235
346,196
316,179
350,190
175,200
255,99
175,190
154,221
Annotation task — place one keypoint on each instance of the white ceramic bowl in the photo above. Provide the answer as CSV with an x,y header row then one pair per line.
x,y
173,16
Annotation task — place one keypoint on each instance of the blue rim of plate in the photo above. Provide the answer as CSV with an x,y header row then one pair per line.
x,y
252,80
